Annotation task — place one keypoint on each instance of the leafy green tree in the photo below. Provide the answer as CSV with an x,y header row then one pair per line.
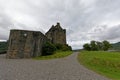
x,y
106,45
99,45
93,46
87,47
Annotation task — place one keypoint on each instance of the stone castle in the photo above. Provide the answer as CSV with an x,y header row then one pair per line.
x,y
56,34
27,44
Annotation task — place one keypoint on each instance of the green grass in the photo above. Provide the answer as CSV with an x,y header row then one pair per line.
x,y
58,54
104,63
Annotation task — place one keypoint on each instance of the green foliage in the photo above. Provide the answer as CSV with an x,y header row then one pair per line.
x,y
63,47
105,63
69,48
93,46
59,46
3,47
58,54
48,49
106,45
87,47
97,46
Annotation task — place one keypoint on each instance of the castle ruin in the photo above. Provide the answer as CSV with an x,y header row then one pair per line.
x,y
56,34
27,44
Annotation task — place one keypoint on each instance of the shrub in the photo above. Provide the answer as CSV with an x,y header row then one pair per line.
x,y
59,46
48,49
66,48
63,47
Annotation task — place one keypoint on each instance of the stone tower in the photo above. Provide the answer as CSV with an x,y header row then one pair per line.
x,y
56,34
25,44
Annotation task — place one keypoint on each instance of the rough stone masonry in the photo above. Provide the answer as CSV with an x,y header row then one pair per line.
x,y
27,44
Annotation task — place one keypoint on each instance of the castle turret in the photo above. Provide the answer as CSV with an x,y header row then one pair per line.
x,y
56,34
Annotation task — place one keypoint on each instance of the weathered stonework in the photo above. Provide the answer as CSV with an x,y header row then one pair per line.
x,y
56,34
27,44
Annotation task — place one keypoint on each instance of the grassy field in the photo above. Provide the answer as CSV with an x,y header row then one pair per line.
x,y
105,63
58,54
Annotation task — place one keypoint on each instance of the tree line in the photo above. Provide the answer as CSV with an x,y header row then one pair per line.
x,y
3,47
97,46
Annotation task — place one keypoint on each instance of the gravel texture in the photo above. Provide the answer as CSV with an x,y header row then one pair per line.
x,y
67,68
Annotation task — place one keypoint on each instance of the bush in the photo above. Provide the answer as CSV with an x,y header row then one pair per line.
x,y
48,49
58,46
63,47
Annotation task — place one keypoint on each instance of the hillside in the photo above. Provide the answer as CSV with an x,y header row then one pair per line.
x,y
116,46
3,47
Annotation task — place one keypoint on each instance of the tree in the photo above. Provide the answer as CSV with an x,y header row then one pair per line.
x,y
93,46
87,47
106,45
99,45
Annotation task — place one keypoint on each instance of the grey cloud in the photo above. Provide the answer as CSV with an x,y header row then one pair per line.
x,y
111,33
81,18
4,34
5,21
105,32
5,24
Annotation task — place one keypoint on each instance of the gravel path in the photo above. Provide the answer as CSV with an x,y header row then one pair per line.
x,y
58,69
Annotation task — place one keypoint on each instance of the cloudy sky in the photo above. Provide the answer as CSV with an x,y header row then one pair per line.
x,y
85,20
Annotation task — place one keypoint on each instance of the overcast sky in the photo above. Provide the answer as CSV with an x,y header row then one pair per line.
x,y
85,20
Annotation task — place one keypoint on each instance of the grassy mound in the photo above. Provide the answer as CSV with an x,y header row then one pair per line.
x,y
105,63
57,54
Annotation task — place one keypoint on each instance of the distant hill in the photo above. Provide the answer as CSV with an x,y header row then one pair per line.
x,y
116,46
3,47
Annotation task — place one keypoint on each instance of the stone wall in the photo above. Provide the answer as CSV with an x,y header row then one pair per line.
x,y
56,34
25,44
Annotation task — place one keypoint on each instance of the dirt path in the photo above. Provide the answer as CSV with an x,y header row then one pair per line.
x,y
58,69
